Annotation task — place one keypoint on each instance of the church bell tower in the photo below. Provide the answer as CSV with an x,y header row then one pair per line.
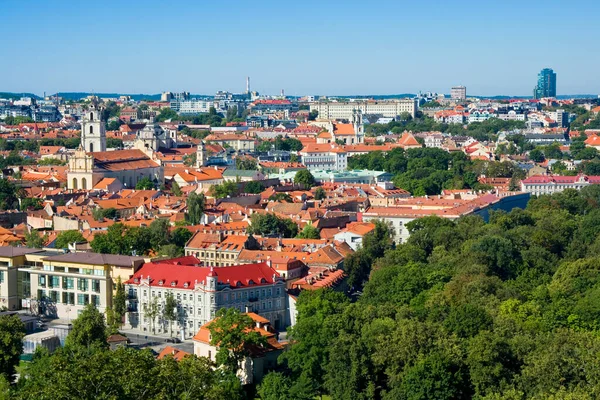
x,y
93,132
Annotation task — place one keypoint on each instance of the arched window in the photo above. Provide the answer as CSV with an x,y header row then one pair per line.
x,y
91,129
83,183
91,116
91,147
75,183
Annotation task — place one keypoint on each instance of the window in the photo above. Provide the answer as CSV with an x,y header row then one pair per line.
x,y
91,129
82,285
96,285
55,281
96,300
54,296
42,280
1,276
67,283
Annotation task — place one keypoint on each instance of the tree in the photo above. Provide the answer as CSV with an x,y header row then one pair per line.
x,y
145,184
536,155
29,203
170,251
88,329
225,189
167,114
320,194
180,237
170,310
65,238
309,232
254,187
34,240
120,301
305,178
8,195
246,163
152,312
176,189
12,332
195,208
234,335
271,225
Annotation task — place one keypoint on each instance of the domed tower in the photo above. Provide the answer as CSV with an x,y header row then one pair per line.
x,y
93,132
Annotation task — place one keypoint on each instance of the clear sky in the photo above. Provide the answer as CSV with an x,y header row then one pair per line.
x,y
305,47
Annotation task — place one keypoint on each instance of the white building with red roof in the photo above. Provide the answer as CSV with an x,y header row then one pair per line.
x,y
549,184
201,291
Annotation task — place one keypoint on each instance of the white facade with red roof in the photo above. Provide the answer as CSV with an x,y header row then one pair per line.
x,y
201,291
549,184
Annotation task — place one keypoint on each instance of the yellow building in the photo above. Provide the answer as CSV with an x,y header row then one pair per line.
x,y
64,284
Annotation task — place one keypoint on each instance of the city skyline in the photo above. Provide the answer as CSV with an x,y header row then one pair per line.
x,y
305,49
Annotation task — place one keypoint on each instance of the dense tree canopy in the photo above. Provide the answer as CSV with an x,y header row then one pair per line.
x,y
271,225
466,309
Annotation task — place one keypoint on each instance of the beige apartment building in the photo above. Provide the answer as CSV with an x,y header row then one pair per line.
x,y
345,110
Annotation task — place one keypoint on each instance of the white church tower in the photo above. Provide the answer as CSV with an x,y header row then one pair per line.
x,y
201,156
93,132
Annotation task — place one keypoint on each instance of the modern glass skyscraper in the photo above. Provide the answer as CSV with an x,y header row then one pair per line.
x,y
546,84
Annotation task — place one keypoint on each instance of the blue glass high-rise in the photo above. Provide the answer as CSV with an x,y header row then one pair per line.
x,y
546,84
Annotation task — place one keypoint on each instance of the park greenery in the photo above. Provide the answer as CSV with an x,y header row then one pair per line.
x,y
157,238
271,225
486,130
85,368
279,143
426,171
463,310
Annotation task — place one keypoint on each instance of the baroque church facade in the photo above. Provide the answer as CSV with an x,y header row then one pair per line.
x,y
91,163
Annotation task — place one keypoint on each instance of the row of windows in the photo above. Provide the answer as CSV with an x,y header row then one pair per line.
x,y
68,297
233,296
68,283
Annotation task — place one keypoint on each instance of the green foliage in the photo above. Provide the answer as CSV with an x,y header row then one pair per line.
x,y
30,203
305,178
271,225
167,114
320,194
88,373
232,332
309,232
9,195
537,155
51,161
12,332
34,240
176,189
88,330
195,208
169,312
224,190
254,187
431,104
114,142
464,309
65,238
145,184
246,163
120,301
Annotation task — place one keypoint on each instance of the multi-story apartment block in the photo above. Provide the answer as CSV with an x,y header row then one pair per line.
x,y
345,110
200,292
324,157
11,259
64,284
458,93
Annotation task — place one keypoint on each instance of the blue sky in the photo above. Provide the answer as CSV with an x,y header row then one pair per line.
x,y
304,47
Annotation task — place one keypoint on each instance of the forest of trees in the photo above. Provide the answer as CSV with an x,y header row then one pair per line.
x,y
502,310
429,170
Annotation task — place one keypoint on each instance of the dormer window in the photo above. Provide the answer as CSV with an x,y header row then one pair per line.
x,y
136,280
173,283
263,280
185,285
161,282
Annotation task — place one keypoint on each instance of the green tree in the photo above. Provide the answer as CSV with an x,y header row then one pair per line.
x,y
34,240
152,312
225,189
65,238
176,189
254,187
180,237
536,155
88,329
234,335
271,225
145,184
246,163
29,203
309,232
12,332
195,208
167,114
8,195
169,312
305,178
120,301
320,194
